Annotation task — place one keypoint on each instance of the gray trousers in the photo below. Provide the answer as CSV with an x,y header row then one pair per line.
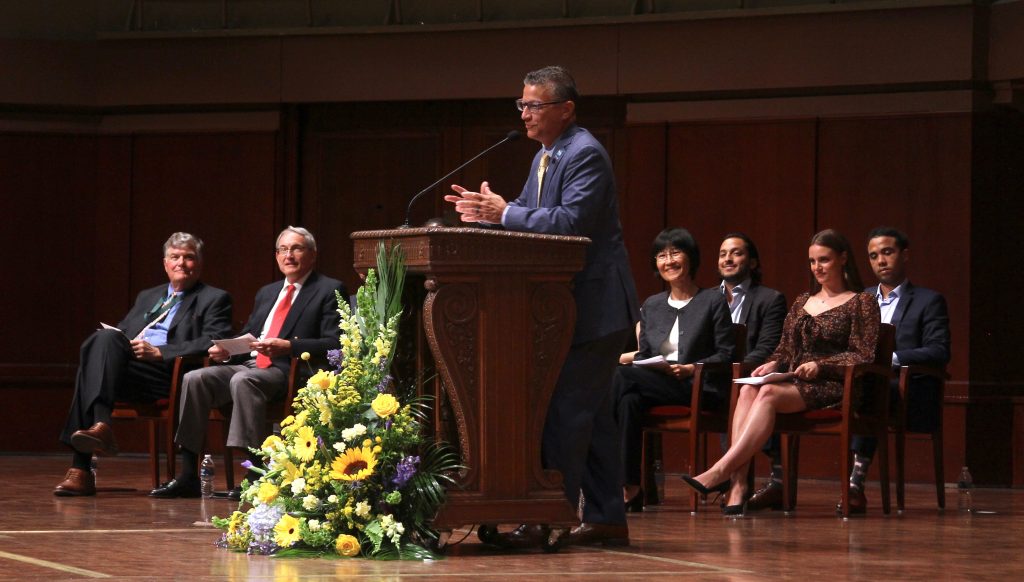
x,y
246,388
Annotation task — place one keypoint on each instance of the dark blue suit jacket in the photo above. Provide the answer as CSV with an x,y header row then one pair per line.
x,y
312,322
922,337
764,311
579,199
203,314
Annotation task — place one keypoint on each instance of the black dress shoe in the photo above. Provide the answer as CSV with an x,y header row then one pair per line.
x,y
734,510
858,502
524,536
767,497
235,494
587,534
636,504
177,488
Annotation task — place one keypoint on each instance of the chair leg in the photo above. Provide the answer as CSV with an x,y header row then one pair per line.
x,y
940,481
883,469
154,453
790,459
845,464
171,449
901,444
696,468
647,467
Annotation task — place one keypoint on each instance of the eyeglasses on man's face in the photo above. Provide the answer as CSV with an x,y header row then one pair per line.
x,y
295,250
535,106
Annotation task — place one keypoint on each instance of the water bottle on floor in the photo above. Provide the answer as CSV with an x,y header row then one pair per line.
x,y
964,485
206,476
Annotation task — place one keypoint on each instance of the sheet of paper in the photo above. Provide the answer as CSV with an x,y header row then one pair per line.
x,y
758,380
238,345
108,326
657,362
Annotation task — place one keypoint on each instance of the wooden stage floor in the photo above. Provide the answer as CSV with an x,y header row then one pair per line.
x,y
128,536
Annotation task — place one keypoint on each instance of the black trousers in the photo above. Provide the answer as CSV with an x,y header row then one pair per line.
x,y
636,391
108,371
580,436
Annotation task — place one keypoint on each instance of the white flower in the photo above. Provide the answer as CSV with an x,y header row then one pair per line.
x,y
356,431
340,447
309,503
362,509
332,499
298,485
313,524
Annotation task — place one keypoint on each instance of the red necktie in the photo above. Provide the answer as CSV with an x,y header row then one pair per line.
x,y
275,324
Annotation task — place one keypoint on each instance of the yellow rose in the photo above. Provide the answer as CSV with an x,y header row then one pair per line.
x,y
384,405
347,545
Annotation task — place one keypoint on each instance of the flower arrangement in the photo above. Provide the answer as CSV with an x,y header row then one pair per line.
x,y
351,472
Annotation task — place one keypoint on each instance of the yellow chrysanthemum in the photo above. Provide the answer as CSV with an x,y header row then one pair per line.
x,y
347,545
322,380
287,420
286,531
237,520
354,465
267,492
300,418
290,473
305,444
271,443
384,405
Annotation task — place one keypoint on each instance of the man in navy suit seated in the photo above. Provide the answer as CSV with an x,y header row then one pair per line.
x,y
134,362
922,338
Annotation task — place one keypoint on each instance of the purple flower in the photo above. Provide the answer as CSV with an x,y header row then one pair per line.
x,y
405,470
247,464
262,520
334,358
385,383
387,424
320,442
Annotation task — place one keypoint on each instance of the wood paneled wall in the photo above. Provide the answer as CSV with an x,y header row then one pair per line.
x,y
113,199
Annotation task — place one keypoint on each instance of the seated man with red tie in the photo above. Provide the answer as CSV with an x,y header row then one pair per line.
x,y
299,314
134,362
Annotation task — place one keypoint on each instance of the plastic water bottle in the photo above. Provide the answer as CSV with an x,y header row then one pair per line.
x,y
964,484
206,471
659,480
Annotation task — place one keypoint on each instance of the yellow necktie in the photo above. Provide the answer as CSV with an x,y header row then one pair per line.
x,y
541,170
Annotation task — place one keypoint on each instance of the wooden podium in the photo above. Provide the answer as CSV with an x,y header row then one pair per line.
x,y
498,317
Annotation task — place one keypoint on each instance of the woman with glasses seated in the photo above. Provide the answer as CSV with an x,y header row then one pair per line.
x,y
685,325
831,326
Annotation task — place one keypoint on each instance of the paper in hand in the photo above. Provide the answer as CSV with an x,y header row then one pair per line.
x,y
758,380
657,362
236,346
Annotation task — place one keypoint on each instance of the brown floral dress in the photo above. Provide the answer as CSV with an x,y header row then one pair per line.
x,y
838,337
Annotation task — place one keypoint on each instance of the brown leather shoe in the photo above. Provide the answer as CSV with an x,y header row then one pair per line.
x,y
767,497
858,502
77,483
586,534
524,536
98,438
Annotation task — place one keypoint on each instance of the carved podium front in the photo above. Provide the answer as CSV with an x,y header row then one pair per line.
x,y
498,317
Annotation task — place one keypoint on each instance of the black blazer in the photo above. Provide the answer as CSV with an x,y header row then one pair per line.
x,y
705,328
764,311
203,314
312,322
922,337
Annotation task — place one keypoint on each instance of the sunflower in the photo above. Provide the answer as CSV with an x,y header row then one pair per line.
x,y
287,531
354,465
305,444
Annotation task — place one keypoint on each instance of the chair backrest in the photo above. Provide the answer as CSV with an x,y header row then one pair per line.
x,y
886,343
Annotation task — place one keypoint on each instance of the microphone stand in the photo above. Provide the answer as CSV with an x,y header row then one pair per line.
x,y
512,135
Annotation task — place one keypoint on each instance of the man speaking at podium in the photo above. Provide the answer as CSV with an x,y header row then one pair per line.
x,y
570,190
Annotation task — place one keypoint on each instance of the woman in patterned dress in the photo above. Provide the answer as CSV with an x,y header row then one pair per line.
x,y
833,325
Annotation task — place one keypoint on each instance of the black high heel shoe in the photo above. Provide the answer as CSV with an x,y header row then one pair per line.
x,y
735,510
720,488
636,504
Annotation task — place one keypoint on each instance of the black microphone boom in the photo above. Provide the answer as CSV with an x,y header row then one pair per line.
x,y
510,136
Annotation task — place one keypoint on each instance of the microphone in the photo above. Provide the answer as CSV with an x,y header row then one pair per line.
x,y
510,136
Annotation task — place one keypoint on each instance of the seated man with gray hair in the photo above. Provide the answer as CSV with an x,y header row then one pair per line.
x,y
134,362
289,317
